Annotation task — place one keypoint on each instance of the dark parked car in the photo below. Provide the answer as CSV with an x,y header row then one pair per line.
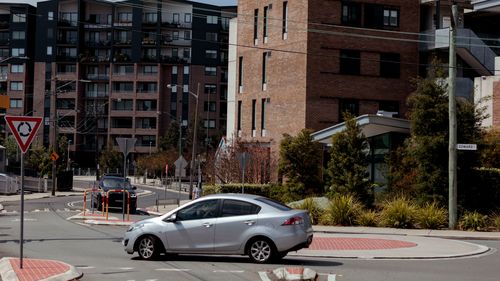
x,y
231,224
115,199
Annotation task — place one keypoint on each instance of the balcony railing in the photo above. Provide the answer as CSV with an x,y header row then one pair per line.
x,y
96,94
97,76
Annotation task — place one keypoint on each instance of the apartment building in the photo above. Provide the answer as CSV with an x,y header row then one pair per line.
x,y
301,64
129,69
17,23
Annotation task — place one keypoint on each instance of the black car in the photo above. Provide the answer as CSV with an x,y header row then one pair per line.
x,y
115,185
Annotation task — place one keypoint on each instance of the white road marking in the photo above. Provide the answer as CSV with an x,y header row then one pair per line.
x,y
173,269
228,271
85,267
72,204
263,276
36,210
25,219
125,268
151,280
331,277
46,210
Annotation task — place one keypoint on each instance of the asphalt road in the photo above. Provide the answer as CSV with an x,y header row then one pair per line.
x,y
97,252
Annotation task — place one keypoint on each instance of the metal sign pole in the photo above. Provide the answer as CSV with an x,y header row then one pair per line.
x,y
21,240
125,176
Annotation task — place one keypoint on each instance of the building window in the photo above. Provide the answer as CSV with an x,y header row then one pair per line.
x,y
18,35
50,15
254,109
16,103
150,17
391,17
351,14
18,52
186,69
175,35
390,65
150,69
16,86
284,28
209,123
264,70
18,17
17,68
211,36
187,35
124,17
264,22
176,18
256,25
389,106
187,18
211,54
263,115
212,19
210,106
350,62
186,53
210,89
210,71
240,105
350,106
175,53
240,75
49,50
123,105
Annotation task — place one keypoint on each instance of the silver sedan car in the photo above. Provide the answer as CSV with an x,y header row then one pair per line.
x,y
233,224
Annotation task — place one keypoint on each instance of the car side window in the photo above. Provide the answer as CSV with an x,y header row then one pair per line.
x,y
238,208
202,210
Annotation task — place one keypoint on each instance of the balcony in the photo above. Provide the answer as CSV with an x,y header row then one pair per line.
x,y
66,58
469,47
67,23
93,59
98,44
174,60
96,94
121,58
148,41
97,76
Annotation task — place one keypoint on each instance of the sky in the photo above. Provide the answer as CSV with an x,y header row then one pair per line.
x,y
213,2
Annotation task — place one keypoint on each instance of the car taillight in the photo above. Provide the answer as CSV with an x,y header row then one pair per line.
x,y
294,221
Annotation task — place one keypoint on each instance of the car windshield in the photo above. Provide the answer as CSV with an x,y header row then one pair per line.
x,y
273,203
115,183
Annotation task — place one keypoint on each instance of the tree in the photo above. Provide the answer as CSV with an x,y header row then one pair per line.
x,y
348,165
300,161
490,152
426,151
39,160
110,159
171,137
155,163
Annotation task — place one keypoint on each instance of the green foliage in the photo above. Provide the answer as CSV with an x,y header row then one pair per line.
x,y
431,216
171,138
495,221
421,168
110,159
399,213
473,221
300,161
343,209
347,167
257,189
12,150
368,218
490,149
38,159
312,208
479,189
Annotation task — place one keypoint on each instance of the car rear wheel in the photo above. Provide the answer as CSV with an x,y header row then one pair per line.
x,y
261,250
148,248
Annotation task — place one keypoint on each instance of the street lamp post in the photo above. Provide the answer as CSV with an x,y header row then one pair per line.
x,y
193,150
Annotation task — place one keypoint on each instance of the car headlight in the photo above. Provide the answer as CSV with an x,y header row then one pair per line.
x,y
135,227
133,195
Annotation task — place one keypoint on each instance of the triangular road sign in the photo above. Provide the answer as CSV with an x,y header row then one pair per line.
x,y
24,129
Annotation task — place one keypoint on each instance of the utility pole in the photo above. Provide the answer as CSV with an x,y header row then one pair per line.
x,y
452,142
193,150
53,137
180,154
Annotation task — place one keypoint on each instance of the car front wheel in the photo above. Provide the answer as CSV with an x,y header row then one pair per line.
x,y
261,250
148,248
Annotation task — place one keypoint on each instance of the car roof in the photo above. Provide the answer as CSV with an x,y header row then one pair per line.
x,y
112,177
233,196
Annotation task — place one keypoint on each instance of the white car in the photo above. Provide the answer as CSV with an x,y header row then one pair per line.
x,y
233,224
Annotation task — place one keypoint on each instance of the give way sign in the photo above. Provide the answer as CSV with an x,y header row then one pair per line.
x,y
24,129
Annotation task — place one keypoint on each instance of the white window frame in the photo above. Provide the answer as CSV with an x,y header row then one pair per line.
x,y
49,50
18,52
18,35
17,68
18,17
211,19
187,18
16,103
19,86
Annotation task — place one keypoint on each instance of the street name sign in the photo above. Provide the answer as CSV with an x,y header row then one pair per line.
x,y
466,146
24,129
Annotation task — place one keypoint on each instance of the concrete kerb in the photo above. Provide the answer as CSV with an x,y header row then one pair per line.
x,y
6,271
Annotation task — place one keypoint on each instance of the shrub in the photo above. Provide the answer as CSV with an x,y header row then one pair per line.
x,y
368,218
473,221
399,213
341,210
495,221
312,208
431,216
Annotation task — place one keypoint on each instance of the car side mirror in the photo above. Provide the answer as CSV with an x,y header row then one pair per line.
x,y
172,218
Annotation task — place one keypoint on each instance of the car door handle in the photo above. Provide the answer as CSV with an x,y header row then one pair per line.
x,y
207,224
249,222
